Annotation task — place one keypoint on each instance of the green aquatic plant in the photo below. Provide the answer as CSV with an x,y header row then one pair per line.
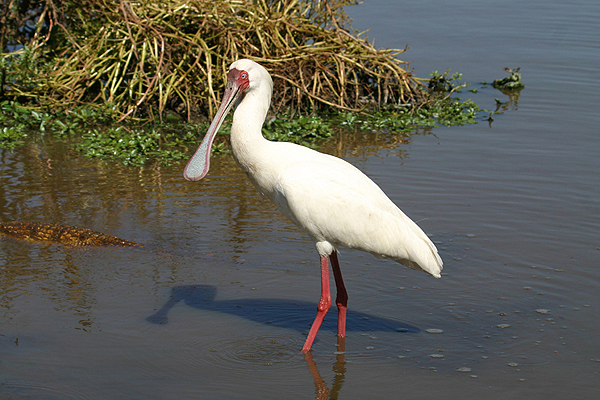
x,y
94,132
130,146
11,137
304,130
513,81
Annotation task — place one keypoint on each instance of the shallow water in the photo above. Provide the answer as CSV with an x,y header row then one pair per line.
x,y
218,302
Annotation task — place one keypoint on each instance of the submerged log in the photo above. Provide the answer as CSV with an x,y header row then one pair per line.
x,y
63,234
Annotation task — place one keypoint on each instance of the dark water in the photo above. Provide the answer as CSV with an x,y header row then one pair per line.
x,y
218,303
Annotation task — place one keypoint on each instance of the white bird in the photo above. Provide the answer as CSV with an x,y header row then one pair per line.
x,y
325,196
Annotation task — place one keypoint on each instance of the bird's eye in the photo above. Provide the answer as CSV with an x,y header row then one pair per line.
x,y
244,75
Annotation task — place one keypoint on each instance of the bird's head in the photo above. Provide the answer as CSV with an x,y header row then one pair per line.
x,y
245,77
249,76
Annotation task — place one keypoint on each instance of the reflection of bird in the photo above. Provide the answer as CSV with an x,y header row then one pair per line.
x,y
328,198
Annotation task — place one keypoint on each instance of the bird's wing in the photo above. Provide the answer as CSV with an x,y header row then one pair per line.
x,y
333,201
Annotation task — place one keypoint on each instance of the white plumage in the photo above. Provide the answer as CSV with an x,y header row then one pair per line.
x,y
328,198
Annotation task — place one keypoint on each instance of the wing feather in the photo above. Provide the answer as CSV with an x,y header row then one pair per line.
x,y
333,201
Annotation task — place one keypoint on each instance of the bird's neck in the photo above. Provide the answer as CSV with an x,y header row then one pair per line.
x,y
247,141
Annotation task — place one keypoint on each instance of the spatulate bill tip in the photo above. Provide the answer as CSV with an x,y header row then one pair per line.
x,y
191,178
194,175
196,169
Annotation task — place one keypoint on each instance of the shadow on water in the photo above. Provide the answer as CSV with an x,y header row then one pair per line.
x,y
282,313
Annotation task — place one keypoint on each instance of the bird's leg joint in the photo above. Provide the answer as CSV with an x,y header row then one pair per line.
x,y
324,304
341,299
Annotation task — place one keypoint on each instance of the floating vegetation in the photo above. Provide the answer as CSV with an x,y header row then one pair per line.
x,y
61,234
511,82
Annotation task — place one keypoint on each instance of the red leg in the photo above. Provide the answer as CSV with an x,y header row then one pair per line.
x,y
342,297
324,304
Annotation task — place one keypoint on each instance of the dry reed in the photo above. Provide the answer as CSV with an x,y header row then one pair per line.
x,y
146,59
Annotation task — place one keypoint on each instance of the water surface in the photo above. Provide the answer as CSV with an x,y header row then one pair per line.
x,y
218,302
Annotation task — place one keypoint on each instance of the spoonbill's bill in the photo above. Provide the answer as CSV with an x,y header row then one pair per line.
x,y
328,198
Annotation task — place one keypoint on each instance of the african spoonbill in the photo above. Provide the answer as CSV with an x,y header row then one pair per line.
x,y
325,196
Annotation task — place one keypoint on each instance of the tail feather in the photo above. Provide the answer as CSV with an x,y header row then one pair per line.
x,y
421,252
